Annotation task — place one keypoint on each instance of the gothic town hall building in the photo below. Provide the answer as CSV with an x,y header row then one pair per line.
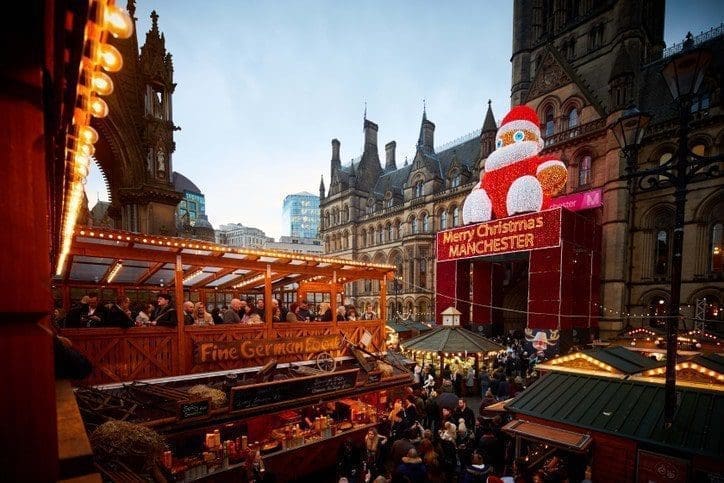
x,y
579,65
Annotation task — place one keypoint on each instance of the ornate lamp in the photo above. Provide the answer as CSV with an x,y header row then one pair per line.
x,y
684,72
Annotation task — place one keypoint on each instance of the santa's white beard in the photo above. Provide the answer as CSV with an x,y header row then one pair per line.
x,y
511,153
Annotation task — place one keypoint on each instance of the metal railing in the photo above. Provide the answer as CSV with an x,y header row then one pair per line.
x,y
712,33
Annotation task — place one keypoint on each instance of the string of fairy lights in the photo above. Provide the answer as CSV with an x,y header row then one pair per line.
x,y
406,315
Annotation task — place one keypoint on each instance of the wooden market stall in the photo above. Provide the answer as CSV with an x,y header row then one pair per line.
x,y
604,408
451,345
141,266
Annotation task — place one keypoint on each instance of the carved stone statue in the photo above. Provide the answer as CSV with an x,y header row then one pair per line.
x,y
161,161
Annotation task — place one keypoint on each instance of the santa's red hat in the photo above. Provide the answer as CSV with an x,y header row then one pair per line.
x,y
520,118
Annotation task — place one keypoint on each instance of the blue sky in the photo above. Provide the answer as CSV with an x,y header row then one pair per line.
x,y
263,87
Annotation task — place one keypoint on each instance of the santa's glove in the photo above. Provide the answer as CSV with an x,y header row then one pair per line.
x,y
552,176
477,207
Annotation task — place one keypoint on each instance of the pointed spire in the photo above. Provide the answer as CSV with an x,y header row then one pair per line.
x,y
365,114
131,7
427,130
154,21
489,123
322,189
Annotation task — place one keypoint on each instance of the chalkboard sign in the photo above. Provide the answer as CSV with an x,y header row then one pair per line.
x,y
247,397
193,409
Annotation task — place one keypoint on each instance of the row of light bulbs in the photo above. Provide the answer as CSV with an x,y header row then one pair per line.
x,y
99,56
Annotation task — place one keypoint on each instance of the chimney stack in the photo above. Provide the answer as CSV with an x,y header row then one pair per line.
x,y
370,129
336,162
428,132
390,164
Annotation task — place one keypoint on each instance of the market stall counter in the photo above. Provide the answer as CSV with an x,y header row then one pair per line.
x,y
239,425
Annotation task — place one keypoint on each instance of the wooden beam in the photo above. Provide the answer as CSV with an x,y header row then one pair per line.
x,y
230,284
178,278
108,271
383,300
204,282
268,296
124,253
149,273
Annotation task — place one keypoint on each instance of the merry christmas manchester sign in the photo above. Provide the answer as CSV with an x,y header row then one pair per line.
x,y
532,231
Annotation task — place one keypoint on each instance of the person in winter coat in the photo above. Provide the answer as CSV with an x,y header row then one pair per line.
x,y
412,467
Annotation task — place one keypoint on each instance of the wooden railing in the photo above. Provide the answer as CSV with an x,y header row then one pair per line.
x,y
121,355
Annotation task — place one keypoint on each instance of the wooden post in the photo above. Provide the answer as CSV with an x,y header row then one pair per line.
x,y
333,298
181,366
383,300
268,298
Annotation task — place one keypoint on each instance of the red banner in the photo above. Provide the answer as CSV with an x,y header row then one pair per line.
x,y
507,235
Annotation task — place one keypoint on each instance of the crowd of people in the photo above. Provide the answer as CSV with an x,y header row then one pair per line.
x,y
91,312
426,440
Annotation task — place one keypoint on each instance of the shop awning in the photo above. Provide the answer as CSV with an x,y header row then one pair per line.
x,y
557,437
498,407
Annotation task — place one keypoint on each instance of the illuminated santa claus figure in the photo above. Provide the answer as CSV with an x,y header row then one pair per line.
x,y
515,179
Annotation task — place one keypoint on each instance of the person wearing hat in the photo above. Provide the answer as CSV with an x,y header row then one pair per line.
x,y
166,313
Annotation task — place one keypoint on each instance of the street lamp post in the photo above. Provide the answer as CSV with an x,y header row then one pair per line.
x,y
396,281
683,74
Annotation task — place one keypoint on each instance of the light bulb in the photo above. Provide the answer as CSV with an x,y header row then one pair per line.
x,y
98,107
81,165
101,83
87,150
109,58
88,135
118,22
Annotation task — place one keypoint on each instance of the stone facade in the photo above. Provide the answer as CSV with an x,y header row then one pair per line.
x,y
135,147
579,65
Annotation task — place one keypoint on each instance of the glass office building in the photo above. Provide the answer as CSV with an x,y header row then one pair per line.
x,y
301,215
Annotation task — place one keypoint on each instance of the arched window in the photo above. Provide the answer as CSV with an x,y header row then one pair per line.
x,y
345,214
699,149
390,202
418,189
662,248
423,272
425,223
371,235
380,234
572,118
413,226
717,242
584,170
658,309
456,216
363,238
388,229
443,220
550,122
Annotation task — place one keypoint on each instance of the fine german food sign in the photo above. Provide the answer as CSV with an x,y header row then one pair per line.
x,y
235,350
507,235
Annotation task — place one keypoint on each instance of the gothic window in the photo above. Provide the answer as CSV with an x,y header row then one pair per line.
x,y
418,189
443,220
425,223
572,118
363,237
413,225
380,234
662,245
584,170
345,214
326,219
550,122
717,244
390,202
455,180
371,235
367,286
388,229
455,216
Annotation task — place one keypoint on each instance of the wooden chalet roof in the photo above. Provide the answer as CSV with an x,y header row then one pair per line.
x,y
109,256
628,409
703,370
614,360
451,339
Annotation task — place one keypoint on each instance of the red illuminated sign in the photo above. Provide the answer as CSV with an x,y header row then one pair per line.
x,y
507,235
